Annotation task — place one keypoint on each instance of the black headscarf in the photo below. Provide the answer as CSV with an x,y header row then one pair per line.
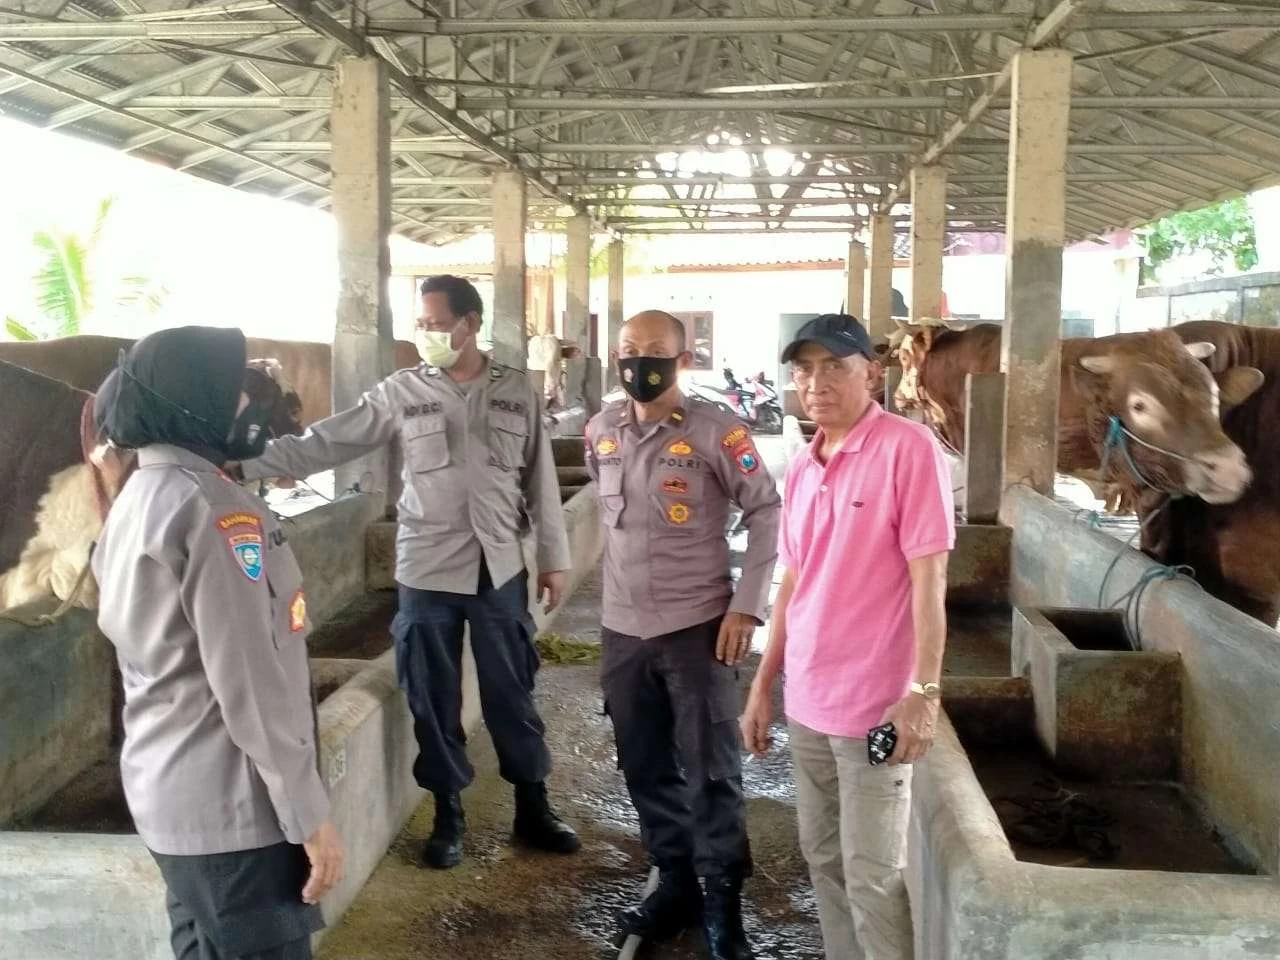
x,y
179,386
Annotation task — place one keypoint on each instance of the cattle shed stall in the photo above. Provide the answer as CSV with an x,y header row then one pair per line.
x,y
75,881
1054,123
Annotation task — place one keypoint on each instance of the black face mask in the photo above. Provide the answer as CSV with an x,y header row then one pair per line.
x,y
249,434
645,379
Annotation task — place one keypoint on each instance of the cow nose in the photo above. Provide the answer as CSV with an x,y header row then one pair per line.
x,y
1226,474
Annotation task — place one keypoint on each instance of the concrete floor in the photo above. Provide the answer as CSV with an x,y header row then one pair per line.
x,y
506,903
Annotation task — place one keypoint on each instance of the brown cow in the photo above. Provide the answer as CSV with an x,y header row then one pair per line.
x,y
1161,385
85,361
58,481
1231,546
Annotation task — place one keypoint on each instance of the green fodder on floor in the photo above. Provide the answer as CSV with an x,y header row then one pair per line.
x,y
554,649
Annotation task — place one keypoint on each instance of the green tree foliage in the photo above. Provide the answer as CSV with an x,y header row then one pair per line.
x,y
66,282
1224,231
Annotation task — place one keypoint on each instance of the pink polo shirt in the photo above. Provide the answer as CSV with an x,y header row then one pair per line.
x,y
849,527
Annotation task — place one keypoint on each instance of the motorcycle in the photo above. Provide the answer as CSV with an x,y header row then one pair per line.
x,y
754,402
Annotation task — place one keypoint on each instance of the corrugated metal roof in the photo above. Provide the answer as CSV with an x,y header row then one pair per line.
x,y
1175,101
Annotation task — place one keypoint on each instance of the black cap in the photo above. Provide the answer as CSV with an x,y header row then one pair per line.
x,y
840,333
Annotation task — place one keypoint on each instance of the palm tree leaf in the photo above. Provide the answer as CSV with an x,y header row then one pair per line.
x,y
18,330
62,285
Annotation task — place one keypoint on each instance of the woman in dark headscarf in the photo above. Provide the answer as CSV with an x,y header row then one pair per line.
x,y
203,600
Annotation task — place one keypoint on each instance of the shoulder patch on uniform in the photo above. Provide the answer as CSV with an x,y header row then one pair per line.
x,y
734,437
744,454
247,549
229,521
680,448
606,446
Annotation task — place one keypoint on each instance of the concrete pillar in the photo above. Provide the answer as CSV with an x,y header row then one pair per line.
x,y
578,282
1035,218
617,267
928,237
363,343
880,287
855,278
510,342
983,443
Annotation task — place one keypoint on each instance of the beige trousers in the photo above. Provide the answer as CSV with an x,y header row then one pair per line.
x,y
853,833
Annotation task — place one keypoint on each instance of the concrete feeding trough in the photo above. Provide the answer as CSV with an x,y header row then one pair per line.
x,y
1101,802
1102,709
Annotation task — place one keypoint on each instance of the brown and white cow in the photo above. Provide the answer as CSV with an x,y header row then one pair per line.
x,y
1170,389
84,362
1232,547
57,481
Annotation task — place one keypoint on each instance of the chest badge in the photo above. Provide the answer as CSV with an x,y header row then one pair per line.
x,y
606,446
680,448
734,437
297,612
678,513
675,485
247,548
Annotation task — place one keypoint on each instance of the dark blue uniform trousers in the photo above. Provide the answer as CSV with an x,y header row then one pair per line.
x,y
428,632
675,721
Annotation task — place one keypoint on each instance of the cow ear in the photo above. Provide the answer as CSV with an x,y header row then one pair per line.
x,y
1237,385
1100,365
1201,350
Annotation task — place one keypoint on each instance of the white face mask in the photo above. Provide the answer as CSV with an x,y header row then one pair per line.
x,y
436,347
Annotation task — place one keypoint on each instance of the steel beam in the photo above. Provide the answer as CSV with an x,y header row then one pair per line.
x,y
198,28
451,147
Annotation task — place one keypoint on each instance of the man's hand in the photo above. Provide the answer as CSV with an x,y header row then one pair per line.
x,y
550,589
914,718
233,469
754,723
736,630
324,850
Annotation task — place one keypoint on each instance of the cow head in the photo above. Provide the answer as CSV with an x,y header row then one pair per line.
x,y
268,388
911,342
1170,407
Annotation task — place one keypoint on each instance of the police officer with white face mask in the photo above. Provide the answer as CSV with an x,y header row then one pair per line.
x,y
477,470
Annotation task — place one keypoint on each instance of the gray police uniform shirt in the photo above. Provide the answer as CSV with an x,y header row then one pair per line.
x,y
665,489
203,600
477,469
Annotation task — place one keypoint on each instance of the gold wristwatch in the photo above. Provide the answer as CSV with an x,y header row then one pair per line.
x,y
930,691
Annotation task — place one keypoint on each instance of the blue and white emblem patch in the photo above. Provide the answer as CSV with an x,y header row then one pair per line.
x,y
247,548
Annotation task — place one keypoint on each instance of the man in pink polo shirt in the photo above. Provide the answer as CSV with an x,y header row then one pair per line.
x,y
858,629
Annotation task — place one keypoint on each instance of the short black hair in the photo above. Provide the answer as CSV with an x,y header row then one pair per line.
x,y
463,297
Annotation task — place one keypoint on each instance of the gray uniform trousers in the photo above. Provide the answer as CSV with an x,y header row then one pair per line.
x,y
243,905
675,719
428,631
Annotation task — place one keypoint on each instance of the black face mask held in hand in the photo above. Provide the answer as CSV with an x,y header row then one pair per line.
x,y
249,434
645,379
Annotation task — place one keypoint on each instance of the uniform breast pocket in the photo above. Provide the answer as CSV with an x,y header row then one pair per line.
x,y
288,600
426,444
507,435
678,500
610,494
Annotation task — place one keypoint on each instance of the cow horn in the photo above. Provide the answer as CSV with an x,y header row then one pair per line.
x,y
1201,350
1098,364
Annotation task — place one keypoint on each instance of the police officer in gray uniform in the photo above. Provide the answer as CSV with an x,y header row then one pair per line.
x,y
203,600
668,469
477,469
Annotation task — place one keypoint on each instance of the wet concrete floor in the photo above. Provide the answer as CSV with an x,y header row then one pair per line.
x,y
502,902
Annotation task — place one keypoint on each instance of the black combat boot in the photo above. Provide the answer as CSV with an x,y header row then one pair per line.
x,y
443,848
722,920
675,905
537,825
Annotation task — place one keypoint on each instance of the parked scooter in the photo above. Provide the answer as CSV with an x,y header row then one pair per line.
x,y
754,402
